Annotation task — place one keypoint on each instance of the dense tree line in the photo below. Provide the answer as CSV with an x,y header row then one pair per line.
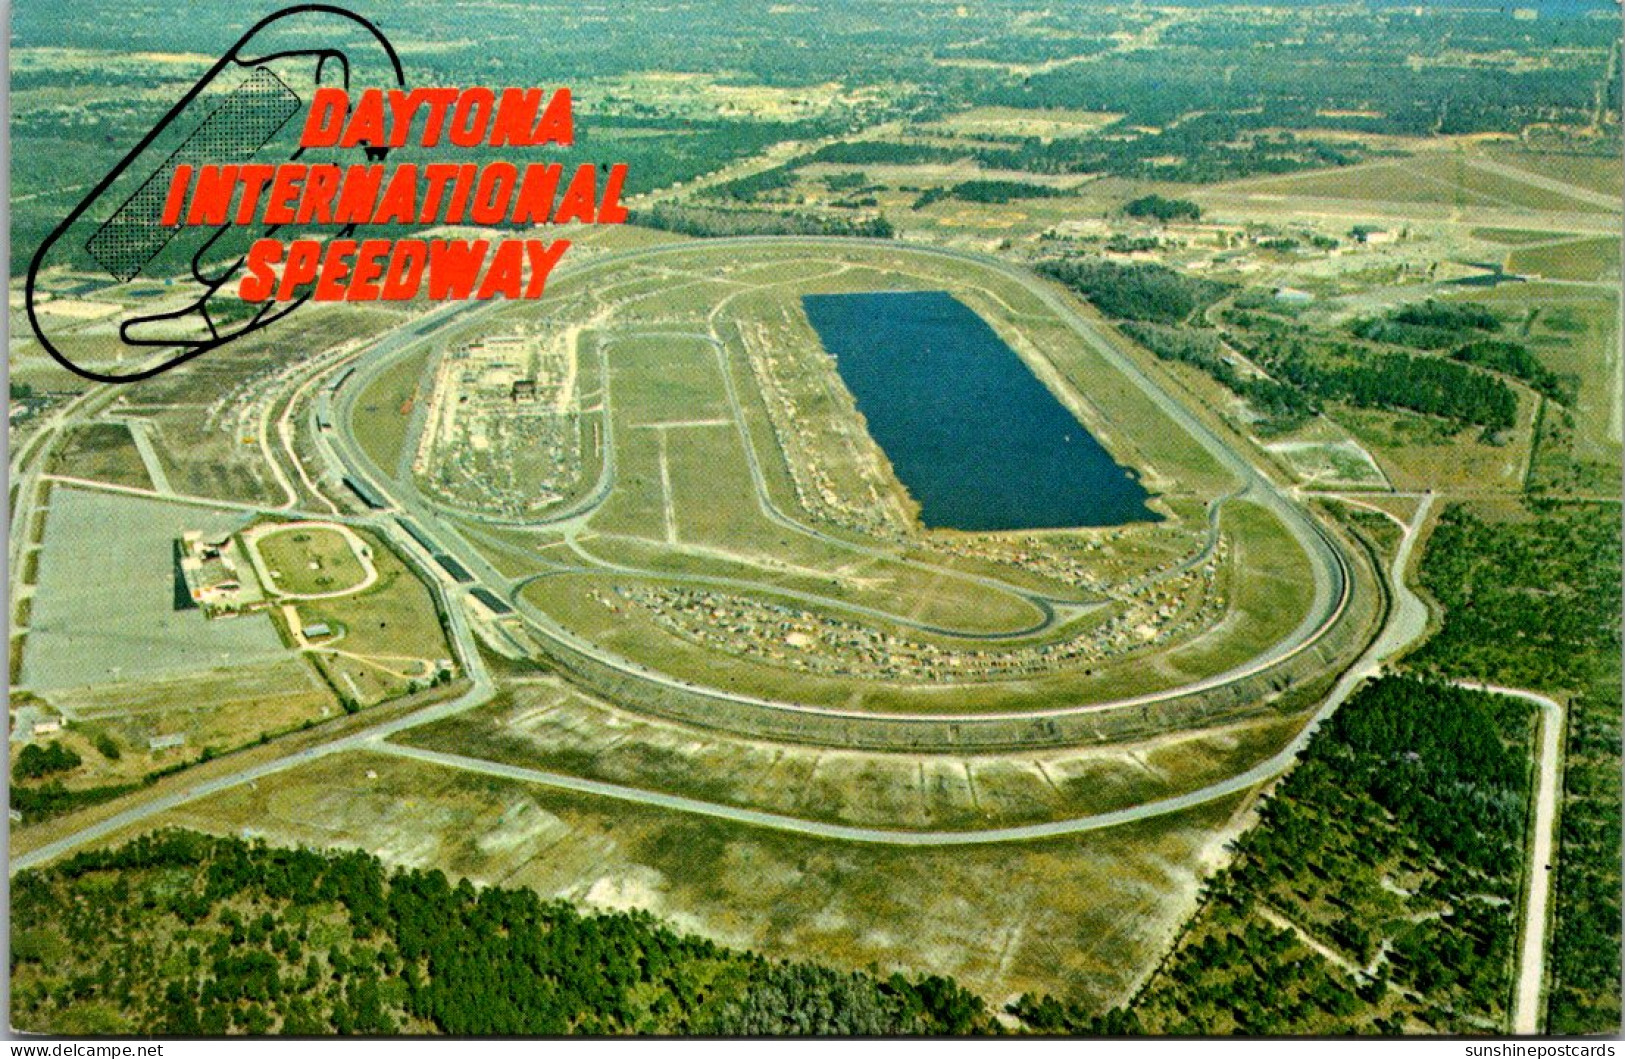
x,y
1132,244
35,761
988,191
711,223
1363,73
1584,960
49,799
1282,406
1515,359
1454,316
885,152
752,187
1534,602
1156,294
1002,191
1144,292
1437,756
1201,149
1163,209
1400,380
1429,325
182,933
1531,604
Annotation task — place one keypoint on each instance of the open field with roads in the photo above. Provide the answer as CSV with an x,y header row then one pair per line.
x,y
992,916
104,609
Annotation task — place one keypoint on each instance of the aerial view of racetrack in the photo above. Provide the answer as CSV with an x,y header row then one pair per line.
x,y
450,531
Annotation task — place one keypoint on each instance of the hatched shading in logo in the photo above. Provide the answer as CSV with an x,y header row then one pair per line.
x,y
234,131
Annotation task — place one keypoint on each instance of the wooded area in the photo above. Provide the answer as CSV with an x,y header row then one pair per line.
x,y
182,933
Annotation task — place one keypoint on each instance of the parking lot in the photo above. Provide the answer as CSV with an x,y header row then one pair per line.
x,y
105,610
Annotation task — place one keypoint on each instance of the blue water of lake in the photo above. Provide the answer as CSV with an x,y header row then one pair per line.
x,y
978,441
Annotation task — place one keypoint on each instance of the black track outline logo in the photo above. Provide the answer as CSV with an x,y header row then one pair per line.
x,y
265,316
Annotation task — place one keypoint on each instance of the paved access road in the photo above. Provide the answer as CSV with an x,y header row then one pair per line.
x,y
1542,851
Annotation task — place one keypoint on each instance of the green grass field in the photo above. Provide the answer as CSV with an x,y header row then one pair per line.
x,y
380,422
1597,172
1431,178
309,560
1578,259
102,452
389,637
1510,236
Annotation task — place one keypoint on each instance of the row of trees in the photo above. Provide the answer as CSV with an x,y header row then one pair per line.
x,y
1430,325
988,191
1200,149
1163,209
1515,359
35,761
704,222
1400,380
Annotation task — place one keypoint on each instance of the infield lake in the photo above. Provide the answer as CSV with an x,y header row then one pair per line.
x,y
978,441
